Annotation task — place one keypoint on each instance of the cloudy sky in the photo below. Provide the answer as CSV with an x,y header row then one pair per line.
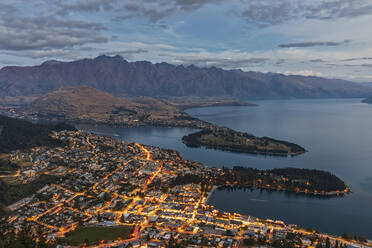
x,y
329,38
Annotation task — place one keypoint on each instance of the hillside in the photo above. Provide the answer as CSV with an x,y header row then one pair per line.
x,y
121,78
20,134
84,104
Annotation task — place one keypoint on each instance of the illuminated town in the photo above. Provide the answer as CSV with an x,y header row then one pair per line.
x,y
102,182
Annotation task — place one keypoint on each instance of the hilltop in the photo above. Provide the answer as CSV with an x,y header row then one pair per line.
x,y
84,104
122,78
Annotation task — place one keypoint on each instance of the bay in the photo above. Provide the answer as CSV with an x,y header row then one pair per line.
x,y
337,134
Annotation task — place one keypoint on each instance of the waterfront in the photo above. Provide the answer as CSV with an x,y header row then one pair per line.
x,y
143,189
337,134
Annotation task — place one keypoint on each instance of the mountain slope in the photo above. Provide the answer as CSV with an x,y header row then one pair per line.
x,y
119,77
84,104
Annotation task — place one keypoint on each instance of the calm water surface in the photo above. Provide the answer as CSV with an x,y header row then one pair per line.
x,y
337,134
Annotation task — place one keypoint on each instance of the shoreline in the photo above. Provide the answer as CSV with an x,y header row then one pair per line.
x,y
310,194
269,154
189,122
210,193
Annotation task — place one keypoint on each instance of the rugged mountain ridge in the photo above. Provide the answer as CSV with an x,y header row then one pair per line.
x,y
122,78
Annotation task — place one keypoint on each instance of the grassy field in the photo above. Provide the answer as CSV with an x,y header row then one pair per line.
x,y
95,234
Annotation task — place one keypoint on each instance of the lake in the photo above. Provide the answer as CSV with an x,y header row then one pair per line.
x,y
337,134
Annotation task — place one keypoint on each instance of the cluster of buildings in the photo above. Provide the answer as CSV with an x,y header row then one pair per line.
x,y
101,182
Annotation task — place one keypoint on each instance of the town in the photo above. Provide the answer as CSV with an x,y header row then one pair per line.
x,y
99,182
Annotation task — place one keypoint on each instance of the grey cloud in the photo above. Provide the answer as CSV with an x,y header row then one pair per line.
x,y
9,62
255,12
42,32
359,65
163,26
43,54
339,9
224,63
6,9
42,22
266,12
64,7
194,4
157,10
313,44
366,65
356,59
153,12
317,61
123,9
137,51
280,61
308,44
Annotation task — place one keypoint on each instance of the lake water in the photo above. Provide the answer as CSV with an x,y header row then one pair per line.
x,y
337,133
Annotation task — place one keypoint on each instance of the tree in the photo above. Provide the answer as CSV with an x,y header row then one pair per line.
x,y
337,245
42,241
345,236
249,242
328,243
319,245
86,242
172,243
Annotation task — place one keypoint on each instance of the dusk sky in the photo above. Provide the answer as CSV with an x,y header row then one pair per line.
x,y
328,38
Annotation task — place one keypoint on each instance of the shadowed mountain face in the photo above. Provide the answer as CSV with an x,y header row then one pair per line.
x,y
119,77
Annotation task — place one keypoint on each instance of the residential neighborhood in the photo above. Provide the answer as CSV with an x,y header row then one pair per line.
x,y
99,182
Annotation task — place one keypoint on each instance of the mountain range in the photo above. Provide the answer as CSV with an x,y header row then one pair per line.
x,y
122,78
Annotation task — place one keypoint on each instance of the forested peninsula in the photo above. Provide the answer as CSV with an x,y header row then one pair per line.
x,y
224,138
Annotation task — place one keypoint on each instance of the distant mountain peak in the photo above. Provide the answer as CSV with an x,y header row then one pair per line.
x,y
107,57
192,66
51,62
